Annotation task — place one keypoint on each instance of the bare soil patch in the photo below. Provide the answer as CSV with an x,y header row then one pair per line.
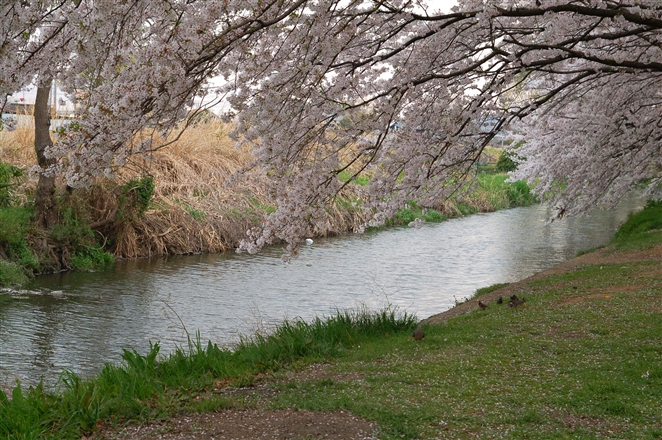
x,y
583,298
254,424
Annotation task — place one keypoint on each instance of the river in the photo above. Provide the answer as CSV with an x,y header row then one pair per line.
x,y
80,321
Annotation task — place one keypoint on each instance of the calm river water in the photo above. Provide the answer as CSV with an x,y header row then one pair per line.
x,y
79,321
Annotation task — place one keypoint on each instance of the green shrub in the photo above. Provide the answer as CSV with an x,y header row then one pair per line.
x,y
14,228
433,216
20,253
9,175
14,224
508,160
80,239
412,212
11,274
520,194
502,194
137,194
73,232
405,216
94,257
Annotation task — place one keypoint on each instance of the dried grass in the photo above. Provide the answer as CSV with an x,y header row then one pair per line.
x,y
195,209
17,146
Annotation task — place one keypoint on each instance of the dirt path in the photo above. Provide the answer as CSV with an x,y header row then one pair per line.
x,y
254,424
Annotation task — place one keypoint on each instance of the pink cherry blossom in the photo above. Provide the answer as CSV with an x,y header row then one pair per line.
x,y
392,90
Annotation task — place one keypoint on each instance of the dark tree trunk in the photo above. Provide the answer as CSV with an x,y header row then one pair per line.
x,y
45,208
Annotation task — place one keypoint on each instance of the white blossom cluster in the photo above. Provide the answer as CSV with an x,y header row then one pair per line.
x,y
393,90
413,98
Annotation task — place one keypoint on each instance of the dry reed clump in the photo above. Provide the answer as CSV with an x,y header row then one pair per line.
x,y
17,146
341,218
17,149
193,209
448,208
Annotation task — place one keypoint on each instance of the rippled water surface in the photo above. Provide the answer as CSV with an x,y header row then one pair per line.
x,y
80,321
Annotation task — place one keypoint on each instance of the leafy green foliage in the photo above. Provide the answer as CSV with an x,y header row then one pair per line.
x,y
9,176
412,212
72,232
508,161
520,194
137,194
91,258
14,224
82,242
501,194
14,228
11,274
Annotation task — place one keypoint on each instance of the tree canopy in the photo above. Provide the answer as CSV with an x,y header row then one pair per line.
x,y
391,89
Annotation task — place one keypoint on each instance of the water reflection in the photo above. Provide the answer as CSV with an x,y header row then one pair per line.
x,y
81,320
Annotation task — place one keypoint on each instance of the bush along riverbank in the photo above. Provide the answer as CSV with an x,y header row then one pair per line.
x,y
177,202
581,357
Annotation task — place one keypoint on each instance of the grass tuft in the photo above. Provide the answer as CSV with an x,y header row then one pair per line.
x,y
150,386
485,290
643,229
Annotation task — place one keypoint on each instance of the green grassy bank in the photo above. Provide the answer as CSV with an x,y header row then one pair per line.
x,y
491,193
581,358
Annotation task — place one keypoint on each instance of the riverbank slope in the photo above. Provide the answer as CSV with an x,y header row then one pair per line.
x,y
580,358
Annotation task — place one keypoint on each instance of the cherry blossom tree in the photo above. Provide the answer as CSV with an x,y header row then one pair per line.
x,y
31,46
394,90
135,68
579,81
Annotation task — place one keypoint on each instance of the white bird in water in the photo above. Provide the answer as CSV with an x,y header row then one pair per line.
x,y
309,241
